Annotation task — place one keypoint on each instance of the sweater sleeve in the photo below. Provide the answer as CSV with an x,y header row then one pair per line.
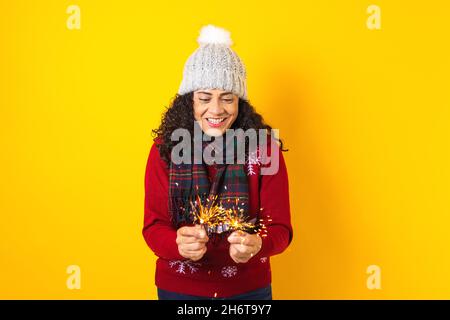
x,y
158,231
275,209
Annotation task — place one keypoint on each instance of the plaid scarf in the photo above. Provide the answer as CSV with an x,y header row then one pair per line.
x,y
187,181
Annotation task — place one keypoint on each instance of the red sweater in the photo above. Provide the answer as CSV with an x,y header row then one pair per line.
x,y
215,274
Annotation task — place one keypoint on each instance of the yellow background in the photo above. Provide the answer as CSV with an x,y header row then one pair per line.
x,y
365,114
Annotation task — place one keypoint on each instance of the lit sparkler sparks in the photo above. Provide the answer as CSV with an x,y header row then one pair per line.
x,y
209,214
216,219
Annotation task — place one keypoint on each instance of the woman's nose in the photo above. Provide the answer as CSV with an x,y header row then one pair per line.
x,y
215,107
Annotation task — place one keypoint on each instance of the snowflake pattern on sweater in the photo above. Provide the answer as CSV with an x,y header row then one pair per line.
x,y
253,159
229,271
184,266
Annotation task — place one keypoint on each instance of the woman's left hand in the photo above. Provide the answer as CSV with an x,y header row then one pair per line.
x,y
243,246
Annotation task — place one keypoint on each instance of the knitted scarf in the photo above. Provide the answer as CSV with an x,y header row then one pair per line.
x,y
187,181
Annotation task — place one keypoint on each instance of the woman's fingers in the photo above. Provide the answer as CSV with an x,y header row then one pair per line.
x,y
198,255
194,234
191,241
244,246
193,255
243,250
237,256
243,239
195,246
183,239
196,231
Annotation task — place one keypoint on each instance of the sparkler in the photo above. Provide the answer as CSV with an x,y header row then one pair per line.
x,y
236,220
210,214
216,219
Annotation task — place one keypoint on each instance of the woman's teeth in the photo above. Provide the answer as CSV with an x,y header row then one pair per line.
x,y
215,121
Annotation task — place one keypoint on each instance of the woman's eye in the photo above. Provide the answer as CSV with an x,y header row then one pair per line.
x,y
204,100
228,100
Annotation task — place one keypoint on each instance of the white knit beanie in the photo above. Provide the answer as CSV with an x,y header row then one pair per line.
x,y
214,65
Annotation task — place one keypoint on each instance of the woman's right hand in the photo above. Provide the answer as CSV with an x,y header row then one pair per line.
x,y
192,241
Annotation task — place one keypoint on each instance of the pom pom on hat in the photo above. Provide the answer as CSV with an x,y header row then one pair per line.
x,y
214,65
214,35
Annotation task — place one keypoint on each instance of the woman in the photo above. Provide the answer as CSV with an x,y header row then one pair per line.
x,y
214,261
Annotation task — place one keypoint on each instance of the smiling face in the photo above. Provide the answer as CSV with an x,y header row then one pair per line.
x,y
215,110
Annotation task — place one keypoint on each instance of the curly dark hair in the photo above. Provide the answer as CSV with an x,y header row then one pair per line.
x,y
180,114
